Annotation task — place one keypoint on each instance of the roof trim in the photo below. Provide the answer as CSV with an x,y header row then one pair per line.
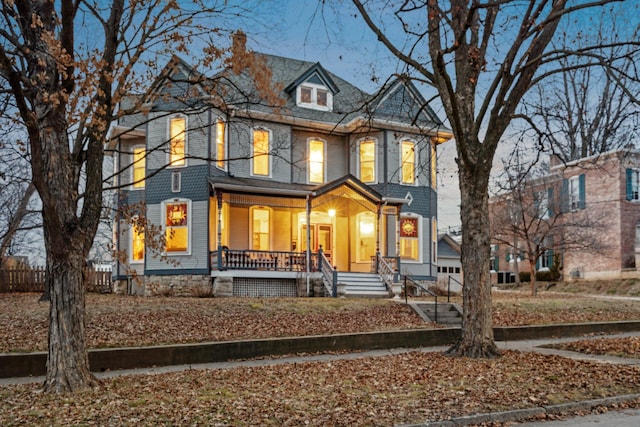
x,y
315,68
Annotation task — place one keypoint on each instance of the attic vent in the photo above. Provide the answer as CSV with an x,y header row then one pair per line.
x,y
176,182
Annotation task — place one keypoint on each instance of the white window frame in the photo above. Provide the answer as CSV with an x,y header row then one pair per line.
x,y
314,87
131,235
176,182
133,167
269,157
252,209
163,213
375,159
415,162
418,217
186,140
635,184
324,161
574,192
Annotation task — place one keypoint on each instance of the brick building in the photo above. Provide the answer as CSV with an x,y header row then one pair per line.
x,y
596,199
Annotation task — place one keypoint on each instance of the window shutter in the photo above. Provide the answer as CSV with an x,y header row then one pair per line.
x,y
629,184
564,196
582,184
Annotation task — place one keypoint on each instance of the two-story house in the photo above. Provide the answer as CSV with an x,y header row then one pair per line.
x,y
330,186
592,208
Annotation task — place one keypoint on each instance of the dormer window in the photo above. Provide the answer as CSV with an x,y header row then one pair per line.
x,y
310,95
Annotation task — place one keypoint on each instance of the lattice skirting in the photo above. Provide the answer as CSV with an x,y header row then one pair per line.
x,y
256,287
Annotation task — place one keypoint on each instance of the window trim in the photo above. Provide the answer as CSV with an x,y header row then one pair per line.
x,y
252,209
142,183
171,164
415,162
324,160
163,214
418,238
633,177
132,234
268,152
375,159
221,164
314,87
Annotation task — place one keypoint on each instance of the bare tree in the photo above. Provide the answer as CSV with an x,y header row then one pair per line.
x,y
589,108
482,57
66,65
529,216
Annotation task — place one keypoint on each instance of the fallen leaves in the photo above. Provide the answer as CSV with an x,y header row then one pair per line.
x,y
406,388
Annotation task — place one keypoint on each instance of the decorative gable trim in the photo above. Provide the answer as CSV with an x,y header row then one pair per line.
x,y
315,75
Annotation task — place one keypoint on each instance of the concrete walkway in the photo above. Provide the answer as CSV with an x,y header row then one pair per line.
x,y
610,419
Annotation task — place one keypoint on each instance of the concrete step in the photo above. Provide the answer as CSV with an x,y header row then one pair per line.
x,y
363,285
447,314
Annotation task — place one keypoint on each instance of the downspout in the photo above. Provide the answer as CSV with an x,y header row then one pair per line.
x,y
308,237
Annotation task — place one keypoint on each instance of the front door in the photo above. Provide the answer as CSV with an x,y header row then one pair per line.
x,y
321,235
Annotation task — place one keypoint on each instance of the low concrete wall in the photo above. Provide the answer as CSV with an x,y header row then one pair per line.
x,y
33,364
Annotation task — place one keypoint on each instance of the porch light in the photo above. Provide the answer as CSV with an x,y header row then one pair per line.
x,y
332,212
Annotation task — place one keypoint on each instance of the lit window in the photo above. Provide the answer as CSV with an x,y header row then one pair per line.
x,y
410,238
220,144
260,152
139,160
177,226
366,240
368,160
316,161
177,141
260,228
137,243
408,156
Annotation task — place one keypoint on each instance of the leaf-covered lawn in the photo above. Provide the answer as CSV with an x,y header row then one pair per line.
x,y
117,321
374,391
628,347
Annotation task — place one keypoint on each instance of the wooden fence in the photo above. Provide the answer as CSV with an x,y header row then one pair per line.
x,y
32,280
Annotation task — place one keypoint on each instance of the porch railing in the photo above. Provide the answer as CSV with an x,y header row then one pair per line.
x,y
329,274
229,259
386,272
393,261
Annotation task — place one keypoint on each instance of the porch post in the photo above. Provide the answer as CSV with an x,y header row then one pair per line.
x,y
219,233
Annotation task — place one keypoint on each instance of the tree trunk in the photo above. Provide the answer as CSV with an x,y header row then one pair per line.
x,y
68,361
476,338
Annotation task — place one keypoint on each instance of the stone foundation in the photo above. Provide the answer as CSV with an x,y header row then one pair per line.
x,y
187,285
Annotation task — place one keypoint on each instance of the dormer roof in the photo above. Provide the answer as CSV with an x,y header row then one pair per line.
x,y
315,74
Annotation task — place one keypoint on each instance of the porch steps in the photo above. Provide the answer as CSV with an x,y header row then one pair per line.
x,y
448,314
363,285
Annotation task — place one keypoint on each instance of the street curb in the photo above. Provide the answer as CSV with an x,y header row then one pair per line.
x,y
529,413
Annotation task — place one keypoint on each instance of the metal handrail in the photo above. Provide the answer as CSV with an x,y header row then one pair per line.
x,y
449,286
428,291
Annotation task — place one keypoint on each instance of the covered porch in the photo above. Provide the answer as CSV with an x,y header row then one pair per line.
x,y
283,230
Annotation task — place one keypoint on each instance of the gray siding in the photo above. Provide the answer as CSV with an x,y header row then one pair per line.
x,y
194,185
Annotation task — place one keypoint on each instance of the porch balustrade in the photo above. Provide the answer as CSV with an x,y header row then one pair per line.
x,y
229,259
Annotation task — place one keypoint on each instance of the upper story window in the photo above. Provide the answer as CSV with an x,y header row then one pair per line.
x,y
221,146
633,184
177,141
574,188
367,159
261,160
408,162
542,203
316,161
177,223
139,161
311,95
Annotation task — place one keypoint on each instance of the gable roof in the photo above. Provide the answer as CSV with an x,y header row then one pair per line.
x,y
322,74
